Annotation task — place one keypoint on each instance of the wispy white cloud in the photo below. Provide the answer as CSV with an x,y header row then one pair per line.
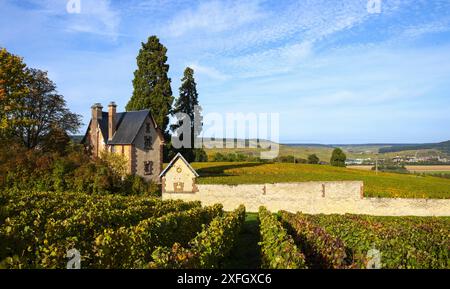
x,y
215,16
209,72
95,17
294,21
266,42
416,31
269,62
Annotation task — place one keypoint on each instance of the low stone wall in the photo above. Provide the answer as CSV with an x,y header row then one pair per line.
x,y
313,198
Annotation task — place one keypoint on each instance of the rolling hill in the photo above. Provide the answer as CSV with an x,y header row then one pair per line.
x,y
442,146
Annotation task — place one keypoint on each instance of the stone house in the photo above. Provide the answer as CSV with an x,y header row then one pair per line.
x,y
179,176
132,134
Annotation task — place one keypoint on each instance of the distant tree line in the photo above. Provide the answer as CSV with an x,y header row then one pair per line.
x,y
391,168
437,175
338,158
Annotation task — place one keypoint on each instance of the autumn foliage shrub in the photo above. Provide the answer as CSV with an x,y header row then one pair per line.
x,y
74,171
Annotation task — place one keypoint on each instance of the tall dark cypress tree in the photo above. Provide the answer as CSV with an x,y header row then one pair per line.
x,y
151,84
187,101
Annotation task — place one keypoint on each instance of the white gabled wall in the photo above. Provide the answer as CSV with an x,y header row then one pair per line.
x,y
179,173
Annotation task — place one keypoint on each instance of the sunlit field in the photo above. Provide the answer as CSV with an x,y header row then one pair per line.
x,y
375,185
436,168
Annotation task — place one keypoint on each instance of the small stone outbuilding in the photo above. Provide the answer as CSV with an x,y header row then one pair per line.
x,y
179,176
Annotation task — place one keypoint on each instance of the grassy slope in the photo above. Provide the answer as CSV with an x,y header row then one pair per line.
x,y
381,185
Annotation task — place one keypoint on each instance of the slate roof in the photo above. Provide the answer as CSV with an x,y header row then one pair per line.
x,y
103,123
173,161
127,126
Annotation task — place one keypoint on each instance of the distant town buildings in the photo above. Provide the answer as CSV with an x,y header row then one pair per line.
x,y
399,160
355,162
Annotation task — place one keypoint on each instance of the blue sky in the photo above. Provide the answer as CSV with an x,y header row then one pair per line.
x,y
335,72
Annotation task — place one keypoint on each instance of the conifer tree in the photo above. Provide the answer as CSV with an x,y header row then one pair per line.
x,y
187,103
151,84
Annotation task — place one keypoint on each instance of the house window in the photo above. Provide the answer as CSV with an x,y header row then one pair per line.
x,y
148,167
148,142
178,187
147,127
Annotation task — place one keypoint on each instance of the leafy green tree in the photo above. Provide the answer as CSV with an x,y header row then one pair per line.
x,y
13,78
286,159
30,107
200,155
218,157
313,159
116,162
338,158
151,83
44,111
57,140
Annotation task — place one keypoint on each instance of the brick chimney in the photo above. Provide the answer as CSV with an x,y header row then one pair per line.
x,y
111,119
96,116
96,111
